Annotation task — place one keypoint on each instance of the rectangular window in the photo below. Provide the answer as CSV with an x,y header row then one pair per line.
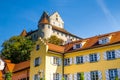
x,y
56,60
56,76
103,40
77,45
37,47
66,76
94,75
37,61
36,77
113,74
110,55
93,57
67,61
79,59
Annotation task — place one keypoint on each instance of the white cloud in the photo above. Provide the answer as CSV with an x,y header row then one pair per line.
x,y
107,13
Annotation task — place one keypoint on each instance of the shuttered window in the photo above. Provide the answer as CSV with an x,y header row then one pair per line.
x,y
113,74
94,75
79,59
94,57
110,54
56,60
67,61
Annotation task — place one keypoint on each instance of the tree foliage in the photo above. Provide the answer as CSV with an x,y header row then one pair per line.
x,y
8,76
55,40
17,49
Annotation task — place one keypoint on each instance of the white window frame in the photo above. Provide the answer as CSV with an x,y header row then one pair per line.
x,y
93,57
110,55
104,40
79,59
94,75
67,61
37,61
56,76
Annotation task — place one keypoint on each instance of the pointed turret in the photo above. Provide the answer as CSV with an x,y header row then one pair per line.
x,y
44,18
24,33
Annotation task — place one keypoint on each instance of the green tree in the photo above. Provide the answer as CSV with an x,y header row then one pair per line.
x,y
17,49
8,76
55,40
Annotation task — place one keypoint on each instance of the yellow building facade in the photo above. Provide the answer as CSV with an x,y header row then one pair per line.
x,y
49,64
94,58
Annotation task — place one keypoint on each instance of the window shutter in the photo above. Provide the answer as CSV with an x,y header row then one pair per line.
x,y
98,56
88,76
108,40
100,75
33,77
70,77
75,60
84,59
117,53
85,75
100,41
74,46
107,74
70,60
118,70
105,55
60,76
51,76
51,60
87,58
60,61
75,76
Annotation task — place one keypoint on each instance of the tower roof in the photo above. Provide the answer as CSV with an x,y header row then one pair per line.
x,y
24,33
44,18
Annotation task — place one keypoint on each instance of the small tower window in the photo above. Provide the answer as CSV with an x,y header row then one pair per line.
x,y
56,19
48,26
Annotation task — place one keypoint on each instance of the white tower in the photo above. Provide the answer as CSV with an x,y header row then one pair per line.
x,y
44,28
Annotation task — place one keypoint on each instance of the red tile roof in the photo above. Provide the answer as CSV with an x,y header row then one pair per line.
x,y
21,66
11,67
92,42
55,48
64,31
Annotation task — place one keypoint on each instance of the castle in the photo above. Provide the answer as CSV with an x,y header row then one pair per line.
x,y
51,25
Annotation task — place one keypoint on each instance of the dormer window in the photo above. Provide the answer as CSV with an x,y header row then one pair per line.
x,y
104,40
76,46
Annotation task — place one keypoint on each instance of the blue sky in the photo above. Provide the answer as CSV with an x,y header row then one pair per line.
x,y
84,18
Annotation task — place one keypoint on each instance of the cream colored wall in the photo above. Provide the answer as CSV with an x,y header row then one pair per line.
x,y
63,37
101,65
34,54
58,23
51,68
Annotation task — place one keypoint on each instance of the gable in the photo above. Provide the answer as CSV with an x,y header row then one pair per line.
x,y
56,20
